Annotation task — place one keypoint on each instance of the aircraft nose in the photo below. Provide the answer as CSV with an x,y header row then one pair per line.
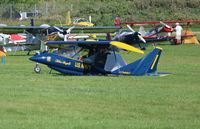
x,y
44,59
34,58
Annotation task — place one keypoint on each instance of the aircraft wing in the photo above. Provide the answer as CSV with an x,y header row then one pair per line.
x,y
155,39
158,22
43,29
20,29
94,29
166,38
62,44
106,43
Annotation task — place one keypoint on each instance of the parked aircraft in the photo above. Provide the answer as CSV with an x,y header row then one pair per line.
x,y
96,58
163,29
38,35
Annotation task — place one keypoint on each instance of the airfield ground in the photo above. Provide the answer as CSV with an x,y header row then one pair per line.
x,y
54,101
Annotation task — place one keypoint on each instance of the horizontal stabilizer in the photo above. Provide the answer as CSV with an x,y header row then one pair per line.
x,y
160,74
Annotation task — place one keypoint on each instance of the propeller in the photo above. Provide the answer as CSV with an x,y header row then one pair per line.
x,y
130,28
70,29
138,34
64,33
59,30
126,47
141,38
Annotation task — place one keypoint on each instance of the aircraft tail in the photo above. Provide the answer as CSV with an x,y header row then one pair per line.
x,y
144,66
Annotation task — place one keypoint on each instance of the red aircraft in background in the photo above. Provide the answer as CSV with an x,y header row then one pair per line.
x,y
163,30
188,22
187,37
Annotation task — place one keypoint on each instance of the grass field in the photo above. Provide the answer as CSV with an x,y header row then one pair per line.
x,y
54,101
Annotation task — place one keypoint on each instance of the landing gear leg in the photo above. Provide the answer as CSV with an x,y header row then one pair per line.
x,y
50,71
37,68
28,53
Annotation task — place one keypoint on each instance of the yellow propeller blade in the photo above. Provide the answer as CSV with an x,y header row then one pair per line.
x,y
126,47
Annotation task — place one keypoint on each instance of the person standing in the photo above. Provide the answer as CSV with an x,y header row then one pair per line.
x,y
178,30
117,21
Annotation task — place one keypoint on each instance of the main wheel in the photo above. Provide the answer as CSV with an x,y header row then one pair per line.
x,y
37,68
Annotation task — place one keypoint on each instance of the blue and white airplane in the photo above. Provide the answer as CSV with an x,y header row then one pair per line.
x,y
97,58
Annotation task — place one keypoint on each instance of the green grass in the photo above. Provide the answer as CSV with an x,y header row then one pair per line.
x,y
54,101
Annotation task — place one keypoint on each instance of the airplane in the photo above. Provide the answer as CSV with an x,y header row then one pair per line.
x,y
150,36
164,29
158,22
161,32
96,58
82,22
12,42
13,38
134,38
38,35
77,21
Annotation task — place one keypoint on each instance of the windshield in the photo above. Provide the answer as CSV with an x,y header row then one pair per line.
x,y
74,52
82,20
68,51
77,20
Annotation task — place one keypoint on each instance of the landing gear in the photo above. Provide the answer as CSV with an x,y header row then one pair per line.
x,y
37,68
50,71
28,53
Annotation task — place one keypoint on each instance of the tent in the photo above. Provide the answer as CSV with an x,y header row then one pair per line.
x,y
190,37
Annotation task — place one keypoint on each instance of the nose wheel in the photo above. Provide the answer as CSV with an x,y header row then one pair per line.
x,y
37,68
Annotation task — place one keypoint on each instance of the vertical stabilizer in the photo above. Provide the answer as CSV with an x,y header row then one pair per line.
x,y
144,66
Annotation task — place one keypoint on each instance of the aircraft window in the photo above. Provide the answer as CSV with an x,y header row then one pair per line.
x,y
68,52
82,20
82,54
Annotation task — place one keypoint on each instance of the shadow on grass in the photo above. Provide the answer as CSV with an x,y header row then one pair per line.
x,y
89,75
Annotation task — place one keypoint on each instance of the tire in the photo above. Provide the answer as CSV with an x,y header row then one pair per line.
x,y
37,69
